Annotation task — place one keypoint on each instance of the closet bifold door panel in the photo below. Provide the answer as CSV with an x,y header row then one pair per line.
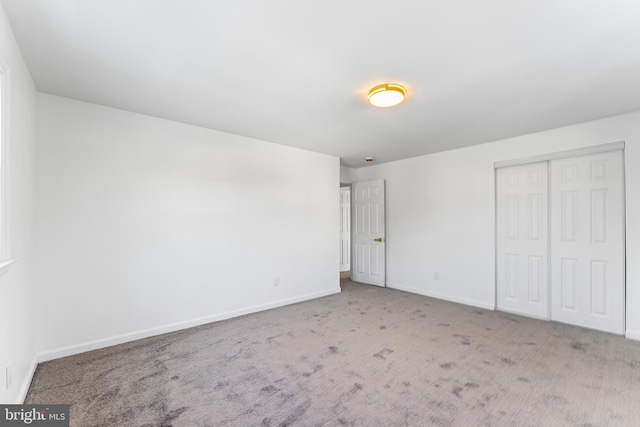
x,y
522,239
587,241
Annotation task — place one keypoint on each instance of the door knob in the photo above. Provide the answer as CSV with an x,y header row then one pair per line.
x,y
379,239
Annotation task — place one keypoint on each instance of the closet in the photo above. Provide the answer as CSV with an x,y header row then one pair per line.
x,y
560,237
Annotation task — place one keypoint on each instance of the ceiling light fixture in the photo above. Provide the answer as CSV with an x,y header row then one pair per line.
x,y
387,95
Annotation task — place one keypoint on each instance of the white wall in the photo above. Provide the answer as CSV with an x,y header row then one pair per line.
x,y
346,175
440,212
146,225
17,338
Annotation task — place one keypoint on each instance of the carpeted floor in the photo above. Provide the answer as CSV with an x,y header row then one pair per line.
x,y
366,357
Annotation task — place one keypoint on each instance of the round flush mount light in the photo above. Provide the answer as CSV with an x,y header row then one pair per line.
x,y
387,95
368,159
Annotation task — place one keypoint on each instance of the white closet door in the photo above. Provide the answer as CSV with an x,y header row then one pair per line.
x,y
522,240
587,241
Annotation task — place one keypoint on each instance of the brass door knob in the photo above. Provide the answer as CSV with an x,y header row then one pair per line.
x,y
379,239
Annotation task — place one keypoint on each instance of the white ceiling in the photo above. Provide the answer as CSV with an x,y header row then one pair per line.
x,y
297,72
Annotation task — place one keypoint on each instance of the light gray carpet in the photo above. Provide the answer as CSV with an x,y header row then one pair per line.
x,y
366,357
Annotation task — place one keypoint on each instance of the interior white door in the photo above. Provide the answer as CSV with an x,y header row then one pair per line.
x,y
587,241
345,229
522,239
368,253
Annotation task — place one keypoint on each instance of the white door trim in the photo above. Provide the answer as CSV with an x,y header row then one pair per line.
x,y
561,154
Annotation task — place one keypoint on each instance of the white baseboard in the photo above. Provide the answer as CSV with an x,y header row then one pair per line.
x,y
632,335
446,297
24,389
132,336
